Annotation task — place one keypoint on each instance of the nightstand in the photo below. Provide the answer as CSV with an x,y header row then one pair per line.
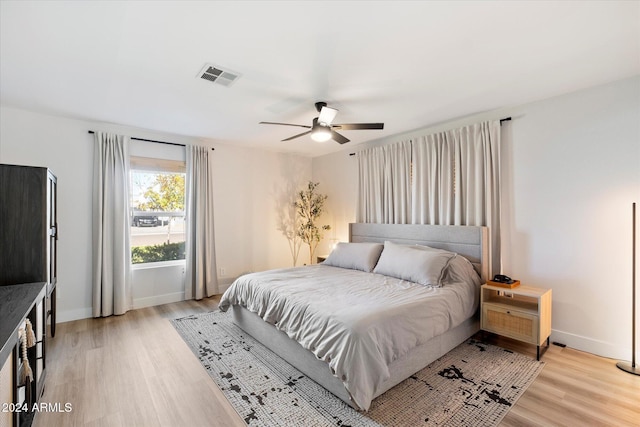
x,y
522,313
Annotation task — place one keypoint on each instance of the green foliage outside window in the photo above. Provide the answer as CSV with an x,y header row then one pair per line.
x,y
165,194
162,192
157,253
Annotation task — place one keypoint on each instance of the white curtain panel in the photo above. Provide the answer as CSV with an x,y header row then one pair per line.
x,y
457,180
433,180
200,274
370,188
384,184
397,183
111,252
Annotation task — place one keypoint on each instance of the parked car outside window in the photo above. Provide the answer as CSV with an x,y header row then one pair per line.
x,y
145,221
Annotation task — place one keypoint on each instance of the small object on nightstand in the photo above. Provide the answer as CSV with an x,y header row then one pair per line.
x,y
503,281
513,284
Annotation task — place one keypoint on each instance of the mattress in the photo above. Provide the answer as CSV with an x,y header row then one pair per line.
x,y
360,324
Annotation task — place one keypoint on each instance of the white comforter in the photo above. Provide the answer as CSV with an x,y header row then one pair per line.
x,y
356,322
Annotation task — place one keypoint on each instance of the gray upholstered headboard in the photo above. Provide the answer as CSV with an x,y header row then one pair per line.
x,y
468,241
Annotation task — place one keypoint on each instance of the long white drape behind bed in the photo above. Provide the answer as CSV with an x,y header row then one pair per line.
x,y
449,178
457,180
384,184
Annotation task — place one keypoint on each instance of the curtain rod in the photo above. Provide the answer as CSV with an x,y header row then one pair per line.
x,y
157,142
506,119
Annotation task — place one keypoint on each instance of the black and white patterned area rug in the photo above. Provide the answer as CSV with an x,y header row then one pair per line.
x,y
475,384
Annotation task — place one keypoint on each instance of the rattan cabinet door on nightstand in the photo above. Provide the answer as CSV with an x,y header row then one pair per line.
x,y
522,313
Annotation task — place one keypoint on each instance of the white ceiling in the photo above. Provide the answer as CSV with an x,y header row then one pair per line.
x,y
408,65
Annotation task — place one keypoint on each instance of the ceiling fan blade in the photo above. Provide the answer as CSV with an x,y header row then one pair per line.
x,y
338,138
355,126
284,124
327,115
296,136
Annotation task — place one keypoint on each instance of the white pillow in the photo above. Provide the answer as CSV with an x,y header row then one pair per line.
x,y
356,256
414,264
460,270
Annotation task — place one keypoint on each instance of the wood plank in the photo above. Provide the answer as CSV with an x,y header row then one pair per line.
x,y
574,388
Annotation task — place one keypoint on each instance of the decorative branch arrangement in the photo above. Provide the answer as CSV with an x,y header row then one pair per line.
x,y
289,223
309,206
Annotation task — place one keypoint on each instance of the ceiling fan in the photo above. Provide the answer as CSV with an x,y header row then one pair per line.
x,y
322,130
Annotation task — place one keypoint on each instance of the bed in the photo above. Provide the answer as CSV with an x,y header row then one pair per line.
x,y
358,333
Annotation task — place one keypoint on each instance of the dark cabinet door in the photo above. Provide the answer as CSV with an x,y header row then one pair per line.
x,y
23,249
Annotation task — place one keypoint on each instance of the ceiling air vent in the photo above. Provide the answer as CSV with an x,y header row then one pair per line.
x,y
219,75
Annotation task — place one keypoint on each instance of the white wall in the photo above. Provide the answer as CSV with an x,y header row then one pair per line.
x,y
246,207
571,169
338,177
245,204
156,284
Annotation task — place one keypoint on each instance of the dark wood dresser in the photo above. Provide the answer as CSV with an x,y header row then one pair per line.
x,y
18,396
28,283
29,231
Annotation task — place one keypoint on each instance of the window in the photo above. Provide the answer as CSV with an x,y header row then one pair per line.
x,y
157,210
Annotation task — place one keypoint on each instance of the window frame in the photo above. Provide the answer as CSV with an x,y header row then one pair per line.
x,y
157,166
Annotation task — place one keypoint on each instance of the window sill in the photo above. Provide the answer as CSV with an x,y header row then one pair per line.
x,y
161,264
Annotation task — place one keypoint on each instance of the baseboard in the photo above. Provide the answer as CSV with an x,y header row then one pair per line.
x,y
70,315
590,345
87,313
158,300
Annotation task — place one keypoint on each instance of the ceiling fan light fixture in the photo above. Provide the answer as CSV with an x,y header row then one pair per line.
x,y
322,128
321,133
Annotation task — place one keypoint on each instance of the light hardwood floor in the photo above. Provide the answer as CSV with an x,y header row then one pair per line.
x,y
135,370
